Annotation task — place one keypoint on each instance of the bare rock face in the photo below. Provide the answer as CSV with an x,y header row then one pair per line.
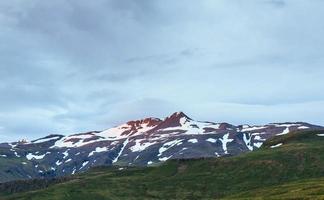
x,y
136,143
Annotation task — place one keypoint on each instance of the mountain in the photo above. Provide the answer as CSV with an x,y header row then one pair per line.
x,y
142,142
287,166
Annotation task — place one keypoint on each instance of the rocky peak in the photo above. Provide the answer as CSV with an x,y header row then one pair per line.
x,y
174,120
146,122
177,116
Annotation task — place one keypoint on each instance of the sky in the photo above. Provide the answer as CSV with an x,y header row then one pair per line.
x,y
69,66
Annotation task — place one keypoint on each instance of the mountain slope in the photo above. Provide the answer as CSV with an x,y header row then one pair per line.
x,y
143,142
311,189
299,159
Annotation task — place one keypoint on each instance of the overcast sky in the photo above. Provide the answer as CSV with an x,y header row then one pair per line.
x,y
69,66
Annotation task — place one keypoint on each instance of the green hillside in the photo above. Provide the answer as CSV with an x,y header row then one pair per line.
x,y
311,189
294,170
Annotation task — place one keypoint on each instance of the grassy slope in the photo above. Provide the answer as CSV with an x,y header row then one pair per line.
x,y
296,165
311,189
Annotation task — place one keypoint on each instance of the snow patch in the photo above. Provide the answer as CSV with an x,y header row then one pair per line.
x,y
164,158
224,141
16,154
275,146
31,156
58,163
284,132
65,142
258,144
138,147
257,137
98,150
45,140
303,127
84,164
193,141
247,141
253,128
65,153
168,145
121,151
191,127
212,140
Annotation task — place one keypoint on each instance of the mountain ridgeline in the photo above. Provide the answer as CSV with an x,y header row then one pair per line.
x,y
289,166
145,142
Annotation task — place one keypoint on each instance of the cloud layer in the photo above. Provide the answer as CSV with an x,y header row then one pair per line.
x,y
70,66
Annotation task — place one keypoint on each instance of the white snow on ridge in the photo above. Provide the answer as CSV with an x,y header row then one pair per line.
x,y
45,140
321,135
183,121
275,146
112,134
30,156
284,132
138,147
65,141
116,132
285,125
98,150
214,126
303,127
253,128
191,127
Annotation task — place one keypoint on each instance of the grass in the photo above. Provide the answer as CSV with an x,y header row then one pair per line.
x,y
291,171
311,189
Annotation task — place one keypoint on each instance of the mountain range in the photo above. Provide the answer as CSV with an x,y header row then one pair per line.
x,y
144,142
285,167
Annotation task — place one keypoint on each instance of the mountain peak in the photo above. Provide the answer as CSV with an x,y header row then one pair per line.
x,y
174,120
178,116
